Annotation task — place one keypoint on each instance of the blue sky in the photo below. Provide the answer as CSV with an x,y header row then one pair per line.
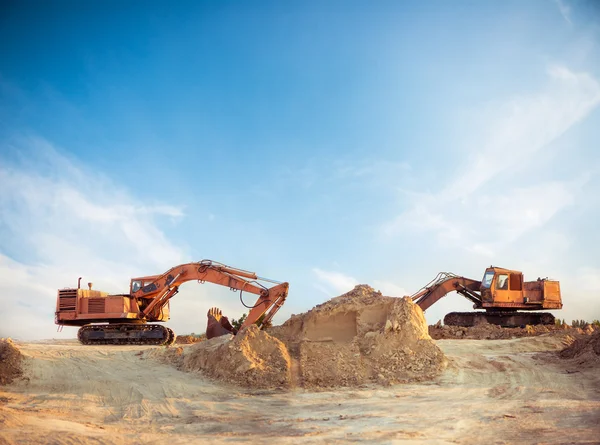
x,y
324,144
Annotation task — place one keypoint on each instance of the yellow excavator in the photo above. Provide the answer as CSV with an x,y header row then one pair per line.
x,y
129,318
503,294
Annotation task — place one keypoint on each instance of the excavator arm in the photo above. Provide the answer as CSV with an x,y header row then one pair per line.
x,y
445,283
159,289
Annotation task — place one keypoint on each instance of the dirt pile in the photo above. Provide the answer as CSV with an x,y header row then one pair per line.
x,y
172,355
357,338
585,349
252,358
11,361
486,331
189,339
360,337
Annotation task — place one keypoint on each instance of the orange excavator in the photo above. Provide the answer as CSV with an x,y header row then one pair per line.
x,y
129,318
503,295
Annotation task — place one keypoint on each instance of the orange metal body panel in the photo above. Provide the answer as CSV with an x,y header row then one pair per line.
x,y
514,293
82,306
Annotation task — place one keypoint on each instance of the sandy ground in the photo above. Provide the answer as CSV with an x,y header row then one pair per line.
x,y
493,391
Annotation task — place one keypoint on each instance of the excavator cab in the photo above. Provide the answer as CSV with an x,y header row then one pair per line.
x,y
502,286
140,282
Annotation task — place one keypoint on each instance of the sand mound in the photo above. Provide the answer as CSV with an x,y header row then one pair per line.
x,y
360,337
357,338
252,358
585,349
11,361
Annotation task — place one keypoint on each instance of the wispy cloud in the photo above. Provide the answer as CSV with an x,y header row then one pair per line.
x,y
589,278
334,282
524,125
492,200
88,212
368,168
389,288
60,220
565,10
344,171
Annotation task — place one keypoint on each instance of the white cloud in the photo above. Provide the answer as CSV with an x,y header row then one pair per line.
x,y
494,198
55,205
335,282
389,288
60,220
508,216
588,279
516,130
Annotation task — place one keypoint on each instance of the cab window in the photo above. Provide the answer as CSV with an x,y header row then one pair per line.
x,y
502,282
487,279
136,286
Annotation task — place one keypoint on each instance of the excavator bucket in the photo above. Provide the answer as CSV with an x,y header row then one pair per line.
x,y
218,324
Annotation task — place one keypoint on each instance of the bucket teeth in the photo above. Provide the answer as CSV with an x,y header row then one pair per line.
x,y
217,324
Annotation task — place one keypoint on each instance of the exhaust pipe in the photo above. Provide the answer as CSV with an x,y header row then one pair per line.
x,y
79,283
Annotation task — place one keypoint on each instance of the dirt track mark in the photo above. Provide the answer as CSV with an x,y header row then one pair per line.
x,y
500,391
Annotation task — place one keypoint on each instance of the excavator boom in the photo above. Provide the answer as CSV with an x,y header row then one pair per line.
x,y
443,284
161,288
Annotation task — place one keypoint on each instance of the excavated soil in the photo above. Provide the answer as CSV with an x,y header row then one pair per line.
x,y
11,362
585,350
360,337
485,331
252,358
188,339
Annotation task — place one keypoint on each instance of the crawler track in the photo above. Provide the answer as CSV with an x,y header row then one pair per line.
x,y
506,319
126,334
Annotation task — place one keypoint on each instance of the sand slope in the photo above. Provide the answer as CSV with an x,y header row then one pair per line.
x,y
500,391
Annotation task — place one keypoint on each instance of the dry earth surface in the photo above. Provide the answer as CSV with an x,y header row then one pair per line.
x,y
492,391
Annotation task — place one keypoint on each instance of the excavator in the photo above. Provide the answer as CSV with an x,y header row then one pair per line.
x,y
502,293
129,318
